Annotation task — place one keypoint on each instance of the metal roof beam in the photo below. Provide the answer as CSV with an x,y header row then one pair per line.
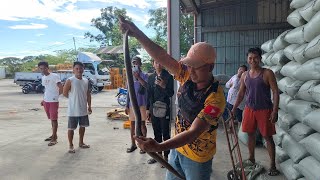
x,y
194,7
246,27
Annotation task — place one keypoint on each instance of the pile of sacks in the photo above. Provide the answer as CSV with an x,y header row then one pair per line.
x,y
294,57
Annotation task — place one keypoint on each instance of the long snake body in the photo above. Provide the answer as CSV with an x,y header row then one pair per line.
x,y
135,106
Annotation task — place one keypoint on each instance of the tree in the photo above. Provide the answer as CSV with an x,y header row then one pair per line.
x,y
158,22
12,64
108,25
186,33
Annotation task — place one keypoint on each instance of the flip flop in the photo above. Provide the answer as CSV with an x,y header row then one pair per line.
x,y
48,139
131,149
273,172
151,161
84,146
71,150
52,143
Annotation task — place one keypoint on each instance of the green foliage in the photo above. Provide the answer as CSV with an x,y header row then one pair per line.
x,y
158,22
108,25
12,64
110,34
186,33
28,63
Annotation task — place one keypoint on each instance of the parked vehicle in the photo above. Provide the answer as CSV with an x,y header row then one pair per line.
x,y
94,88
35,86
122,96
94,69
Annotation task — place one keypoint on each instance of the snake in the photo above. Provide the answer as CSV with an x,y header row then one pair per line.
x,y
135,106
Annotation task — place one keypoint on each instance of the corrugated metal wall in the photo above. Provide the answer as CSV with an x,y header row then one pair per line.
x,y
235,27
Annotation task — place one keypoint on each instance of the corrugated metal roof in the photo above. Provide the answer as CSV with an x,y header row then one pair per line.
x,y
111,50
198,5
87,56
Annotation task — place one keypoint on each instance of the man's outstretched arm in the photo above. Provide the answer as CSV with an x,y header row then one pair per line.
x,y
155,51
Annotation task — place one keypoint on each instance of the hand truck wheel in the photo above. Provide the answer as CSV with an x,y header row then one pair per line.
x,y
233,175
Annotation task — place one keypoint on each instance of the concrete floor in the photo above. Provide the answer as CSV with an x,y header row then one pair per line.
x,y
24,154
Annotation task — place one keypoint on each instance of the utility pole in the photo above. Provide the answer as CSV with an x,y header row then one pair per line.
x,y
75,48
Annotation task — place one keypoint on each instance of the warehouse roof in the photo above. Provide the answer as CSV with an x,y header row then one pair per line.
x,y
195,6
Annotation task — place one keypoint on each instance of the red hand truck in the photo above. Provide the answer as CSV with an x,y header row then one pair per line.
x,y
237,172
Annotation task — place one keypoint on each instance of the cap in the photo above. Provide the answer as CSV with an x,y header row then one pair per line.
x,y
136,58
200,54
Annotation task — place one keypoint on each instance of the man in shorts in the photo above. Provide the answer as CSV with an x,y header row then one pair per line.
x,y
50,102
77,90
259,110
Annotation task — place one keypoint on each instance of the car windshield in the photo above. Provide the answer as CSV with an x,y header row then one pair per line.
x,y
89,67
103,68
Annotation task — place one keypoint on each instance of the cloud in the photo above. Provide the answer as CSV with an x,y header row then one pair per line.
x,y
57,43
30,26
76,36
40,34
22,53
66,12
138,18
62,11
76,19
142,4
161,3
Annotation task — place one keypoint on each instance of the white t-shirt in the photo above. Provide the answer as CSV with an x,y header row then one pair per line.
x,y
77,105
234,90
51,92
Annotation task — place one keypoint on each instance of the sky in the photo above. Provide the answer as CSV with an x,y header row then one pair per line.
x,y
34,27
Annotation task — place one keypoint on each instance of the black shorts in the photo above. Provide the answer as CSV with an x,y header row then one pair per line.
x,y
73,122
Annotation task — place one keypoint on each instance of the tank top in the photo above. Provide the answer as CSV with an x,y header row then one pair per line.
x,y
257,92
77,104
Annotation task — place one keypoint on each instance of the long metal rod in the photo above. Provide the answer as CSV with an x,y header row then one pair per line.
x,y
136,109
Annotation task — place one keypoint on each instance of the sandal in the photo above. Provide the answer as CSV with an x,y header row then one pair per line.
x,y
273,172
48,139
84,146
52,143
151,161
131,149
71,150
142,152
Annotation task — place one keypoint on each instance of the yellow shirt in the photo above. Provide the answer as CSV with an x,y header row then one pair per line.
x,y
204,147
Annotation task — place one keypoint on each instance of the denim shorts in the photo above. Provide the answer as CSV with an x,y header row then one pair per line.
x,y
73,122
190,169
